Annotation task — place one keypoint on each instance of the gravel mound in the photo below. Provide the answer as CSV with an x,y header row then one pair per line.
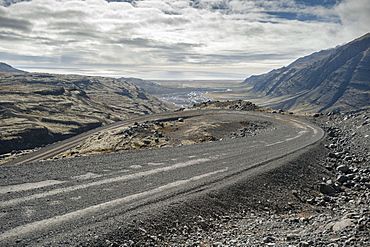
x,y
167,133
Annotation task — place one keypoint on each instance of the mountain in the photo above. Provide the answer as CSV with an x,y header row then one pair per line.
x,y
337,79
7,68
38,108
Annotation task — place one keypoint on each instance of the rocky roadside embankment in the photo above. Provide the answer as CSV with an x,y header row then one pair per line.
x,y
167,133
320,199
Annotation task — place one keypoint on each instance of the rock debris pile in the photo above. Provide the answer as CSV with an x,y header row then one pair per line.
x,y
166,133
250,128
242,105
137,136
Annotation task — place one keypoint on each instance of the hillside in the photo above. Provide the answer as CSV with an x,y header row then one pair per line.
x,y
7,68
37,109
331,80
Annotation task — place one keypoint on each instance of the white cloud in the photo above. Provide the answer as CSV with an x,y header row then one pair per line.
x,y
204,36
355,17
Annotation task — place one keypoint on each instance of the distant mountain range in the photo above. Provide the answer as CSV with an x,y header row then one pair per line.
x,y
336,80
7,68
331,80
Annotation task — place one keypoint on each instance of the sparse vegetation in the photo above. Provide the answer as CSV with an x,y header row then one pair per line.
x,y
38,109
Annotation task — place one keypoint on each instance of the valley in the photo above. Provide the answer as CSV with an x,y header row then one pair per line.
x,y
186,93
279,159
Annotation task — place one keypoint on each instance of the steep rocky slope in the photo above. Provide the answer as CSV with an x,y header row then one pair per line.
x,y
331,80
38,109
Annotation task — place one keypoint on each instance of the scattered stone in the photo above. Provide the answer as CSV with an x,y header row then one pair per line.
x,y
342,178
340,225
332,155
269,239
304,244
326,189
343,168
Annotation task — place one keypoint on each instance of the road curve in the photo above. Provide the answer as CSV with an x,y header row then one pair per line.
x,y
59,202
61,146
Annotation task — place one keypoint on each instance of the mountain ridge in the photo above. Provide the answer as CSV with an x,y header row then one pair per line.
x,y
331,80
9,69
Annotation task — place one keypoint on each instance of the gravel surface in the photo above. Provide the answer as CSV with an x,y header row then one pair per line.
x,y
319,199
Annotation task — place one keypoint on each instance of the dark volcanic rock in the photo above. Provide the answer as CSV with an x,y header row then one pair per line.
x,y
330,80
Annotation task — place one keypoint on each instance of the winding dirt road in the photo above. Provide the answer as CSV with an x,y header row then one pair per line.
x,y
63,202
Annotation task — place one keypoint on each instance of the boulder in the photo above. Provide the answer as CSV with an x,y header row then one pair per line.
x,y
340,225
326,189
343,168
342,179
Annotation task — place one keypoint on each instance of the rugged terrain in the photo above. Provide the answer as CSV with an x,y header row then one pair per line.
x,y
320,199
330,80
171,132
37,109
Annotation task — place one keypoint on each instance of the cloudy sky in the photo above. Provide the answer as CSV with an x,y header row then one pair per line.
x,y
173,39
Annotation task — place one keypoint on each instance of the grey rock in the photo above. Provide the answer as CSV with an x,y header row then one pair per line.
x,y
146,142
292,237
332,155
347,158
269,239
351,176
342,178
304,244
340,225
332,146
333,245
326,189
343,168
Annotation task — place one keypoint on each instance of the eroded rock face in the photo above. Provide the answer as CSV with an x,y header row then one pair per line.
x,y
37,109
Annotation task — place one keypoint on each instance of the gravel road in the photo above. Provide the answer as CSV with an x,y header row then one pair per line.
x,y
85,200
320,197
